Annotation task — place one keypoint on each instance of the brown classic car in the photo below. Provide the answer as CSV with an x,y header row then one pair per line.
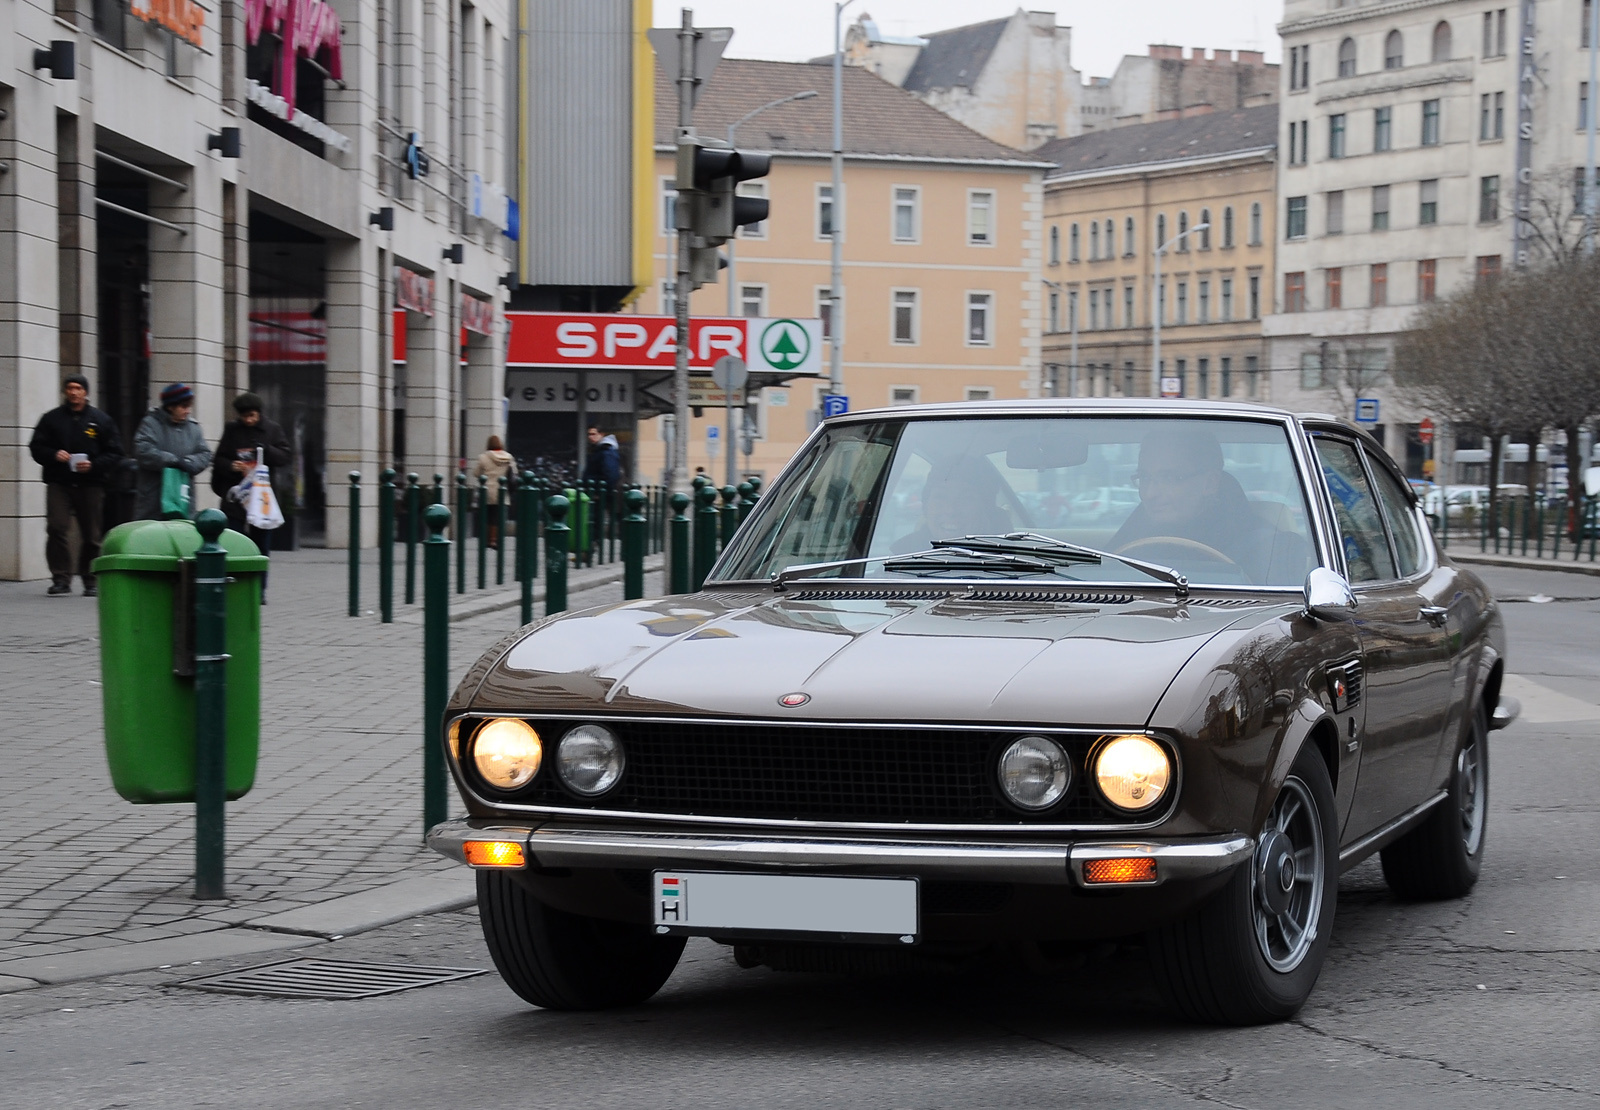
x,y
1024,673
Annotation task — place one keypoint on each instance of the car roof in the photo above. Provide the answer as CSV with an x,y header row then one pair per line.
x,y
1165,406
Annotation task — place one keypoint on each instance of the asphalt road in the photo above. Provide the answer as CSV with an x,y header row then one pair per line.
x,y
1488,1002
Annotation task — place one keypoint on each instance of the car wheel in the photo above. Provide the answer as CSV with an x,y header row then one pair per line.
x,y
1440,858
1252,952
562,961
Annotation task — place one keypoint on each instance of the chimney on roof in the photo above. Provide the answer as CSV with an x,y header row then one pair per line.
x,y
1197,53
1252,58
1171,53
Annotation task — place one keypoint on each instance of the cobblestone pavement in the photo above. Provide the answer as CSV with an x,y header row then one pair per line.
x,y
1511,556
336,807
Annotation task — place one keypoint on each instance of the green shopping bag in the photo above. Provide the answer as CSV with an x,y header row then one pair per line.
x,y
177,494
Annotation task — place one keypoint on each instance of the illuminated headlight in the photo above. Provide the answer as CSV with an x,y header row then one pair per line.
x,y
1034,773
507,753
1133,772
589,760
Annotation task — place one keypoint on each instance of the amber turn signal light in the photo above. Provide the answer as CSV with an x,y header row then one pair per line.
x,y
1137,869
494,853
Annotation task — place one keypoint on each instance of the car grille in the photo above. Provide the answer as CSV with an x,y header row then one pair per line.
x,y
819,773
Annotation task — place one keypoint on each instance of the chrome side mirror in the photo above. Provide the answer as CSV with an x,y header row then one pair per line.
x,y
1328,595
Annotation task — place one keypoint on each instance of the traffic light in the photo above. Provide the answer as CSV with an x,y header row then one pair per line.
x,y
709,204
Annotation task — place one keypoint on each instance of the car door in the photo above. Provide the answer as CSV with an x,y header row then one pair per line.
x,y
1404,671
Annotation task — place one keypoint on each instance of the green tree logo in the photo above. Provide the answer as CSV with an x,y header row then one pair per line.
x,y
785,344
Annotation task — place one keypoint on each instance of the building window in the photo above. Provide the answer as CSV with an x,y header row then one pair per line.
x,y
824,211
1428,209
1255,224
1072,244
1299,68
1380,208
1161,231
824,301
1183,302
1491,116
980,310
1205,229
1378,284
1583,31
1310,370
1494,31
1394,54
1294,291
1297,142
1055,244
1226,366
1382,129
1583,105
903,395
1441,41
1127,306
1333,287
669,298
907,227
1295,218
1128,243
1430,123
1111,238
1094,310
1055,311
1183,231
1336,136
753,189
980,393
1227,298
1427,279
1252,369
1183,376
669,207
1161,302
1227,227
1205,302
1203,365
1255,296
752,301
1072,311
1489,199
1488,269
980,218
1335,213
1127,378
1094,241
905,321
1347,58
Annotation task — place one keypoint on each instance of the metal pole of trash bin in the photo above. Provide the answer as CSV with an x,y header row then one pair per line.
x,y
633,529
556,534
210,708
500,534
705,533
483,531
459,534
435,663
413,523
681,571
386,546
527,543
355,543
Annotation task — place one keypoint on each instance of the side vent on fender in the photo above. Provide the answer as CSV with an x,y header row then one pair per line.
x,y
1344,685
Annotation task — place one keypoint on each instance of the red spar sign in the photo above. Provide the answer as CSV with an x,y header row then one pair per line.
x,y
619,341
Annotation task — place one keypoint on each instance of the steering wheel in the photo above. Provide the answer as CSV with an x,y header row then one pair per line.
x,y
1176,541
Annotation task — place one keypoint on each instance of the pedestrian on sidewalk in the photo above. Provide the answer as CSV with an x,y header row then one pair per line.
x,y
495,463
77,447
236,461
168,438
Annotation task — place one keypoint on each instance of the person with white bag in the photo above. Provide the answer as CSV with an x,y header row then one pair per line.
x,y
248,443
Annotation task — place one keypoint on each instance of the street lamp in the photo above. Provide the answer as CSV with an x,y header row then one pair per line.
x,y
1160,306
836,292
1072,360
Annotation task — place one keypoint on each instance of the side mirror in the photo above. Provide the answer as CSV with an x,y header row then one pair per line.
x,y
1328,595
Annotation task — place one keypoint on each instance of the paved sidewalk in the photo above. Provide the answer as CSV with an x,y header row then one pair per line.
x,y
1470,555
336,809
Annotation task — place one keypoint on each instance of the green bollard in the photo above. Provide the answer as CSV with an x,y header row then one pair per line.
x,y
386,546
435,663
682,573
755,493
746,491
413,523
705,533
556,536
527,543
500,534
483,531
1594,524
438,490
730,515
355,543
633,532
1538,529
463,505
210,708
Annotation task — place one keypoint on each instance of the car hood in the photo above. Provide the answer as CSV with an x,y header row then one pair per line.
x,y
856,657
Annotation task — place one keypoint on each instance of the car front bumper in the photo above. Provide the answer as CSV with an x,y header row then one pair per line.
x,y
554,844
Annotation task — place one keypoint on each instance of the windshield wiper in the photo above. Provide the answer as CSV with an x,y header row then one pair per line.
x,y
1048,547
951,556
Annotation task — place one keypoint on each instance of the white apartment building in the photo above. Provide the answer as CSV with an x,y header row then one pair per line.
x,y
1398,176
216,193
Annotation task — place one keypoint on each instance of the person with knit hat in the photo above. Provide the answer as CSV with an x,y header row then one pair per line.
x,y
77,447
236,460
168,438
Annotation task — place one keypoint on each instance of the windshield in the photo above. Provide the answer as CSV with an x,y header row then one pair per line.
x,y
1217,500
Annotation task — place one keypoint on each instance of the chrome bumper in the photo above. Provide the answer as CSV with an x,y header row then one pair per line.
x,y
550,845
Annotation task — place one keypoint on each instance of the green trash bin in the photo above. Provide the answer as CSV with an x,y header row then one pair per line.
x,y
146,581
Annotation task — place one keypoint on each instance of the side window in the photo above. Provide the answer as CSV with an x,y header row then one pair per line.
x,y
1402,520
1366,549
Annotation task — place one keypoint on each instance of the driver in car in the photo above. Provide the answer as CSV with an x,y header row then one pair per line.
x,y
1188,503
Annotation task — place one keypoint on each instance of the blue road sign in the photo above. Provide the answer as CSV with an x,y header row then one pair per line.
x,y
835,404
1366,410
713,432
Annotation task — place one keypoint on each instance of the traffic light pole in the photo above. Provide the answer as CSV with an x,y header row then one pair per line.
x,y
678,465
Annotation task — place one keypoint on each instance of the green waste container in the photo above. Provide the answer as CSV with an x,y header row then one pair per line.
x,y
146,579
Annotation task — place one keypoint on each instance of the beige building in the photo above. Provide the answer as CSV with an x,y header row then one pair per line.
x,y
942,299
1112,199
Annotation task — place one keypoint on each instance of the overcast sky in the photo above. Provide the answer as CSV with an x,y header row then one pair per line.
x,y
794,30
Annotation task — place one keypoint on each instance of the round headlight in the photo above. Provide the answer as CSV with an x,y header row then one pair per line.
x,y
1132,772
1034,773
507,753
589,760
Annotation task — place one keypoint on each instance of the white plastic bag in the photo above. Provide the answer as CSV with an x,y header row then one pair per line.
x,y
262,509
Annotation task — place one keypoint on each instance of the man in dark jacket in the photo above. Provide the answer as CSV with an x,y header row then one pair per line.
x,y
604,463
168,438
235,460
77,447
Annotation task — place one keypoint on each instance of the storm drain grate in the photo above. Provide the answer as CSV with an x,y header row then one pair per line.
x,y
330,979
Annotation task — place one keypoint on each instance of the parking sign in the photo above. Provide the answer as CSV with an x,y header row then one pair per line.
x,y
1366,410
835,404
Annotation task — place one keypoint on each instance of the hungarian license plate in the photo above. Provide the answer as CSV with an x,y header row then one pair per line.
x,y
701,903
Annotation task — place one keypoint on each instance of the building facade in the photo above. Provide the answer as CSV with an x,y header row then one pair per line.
x,y
1400,179
1114,197
220,195
942,299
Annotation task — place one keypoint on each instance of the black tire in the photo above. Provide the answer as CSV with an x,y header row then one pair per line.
x,y
562,961
1441,857
1212,966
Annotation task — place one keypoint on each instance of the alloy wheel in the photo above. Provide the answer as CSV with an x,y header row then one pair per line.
x,y
1287,878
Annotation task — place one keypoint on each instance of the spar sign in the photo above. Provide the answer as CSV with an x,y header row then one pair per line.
x,y
628,342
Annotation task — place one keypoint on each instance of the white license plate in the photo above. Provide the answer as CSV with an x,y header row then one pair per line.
x,y
713,902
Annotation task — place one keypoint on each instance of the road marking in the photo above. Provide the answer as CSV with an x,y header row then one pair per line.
x,y
1542,705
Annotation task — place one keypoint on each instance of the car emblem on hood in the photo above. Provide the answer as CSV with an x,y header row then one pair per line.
x,y
790,701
